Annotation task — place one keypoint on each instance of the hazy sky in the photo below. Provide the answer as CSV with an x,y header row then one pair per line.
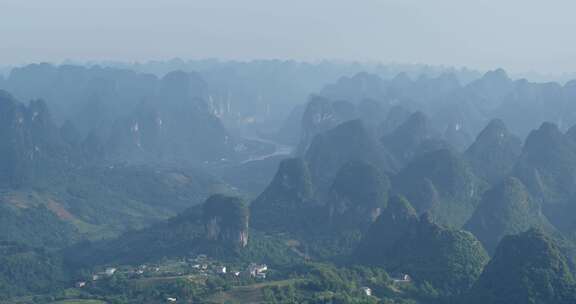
x,y
520,35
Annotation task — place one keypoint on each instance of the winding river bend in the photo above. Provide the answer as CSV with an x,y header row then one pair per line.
x,y
279,149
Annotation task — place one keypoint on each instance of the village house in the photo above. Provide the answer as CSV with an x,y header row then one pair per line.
x,y
260,275
402,278
367,291
221,269
257,271
110,271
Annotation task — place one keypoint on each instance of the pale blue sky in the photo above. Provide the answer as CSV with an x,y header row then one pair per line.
x,y
517,35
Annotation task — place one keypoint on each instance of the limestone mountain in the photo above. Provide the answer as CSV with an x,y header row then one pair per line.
x,y
547,167
571,132
449,259
396,116
347,142
292,205
290,131
174,237
70,133
413,137
441,183
457,134
173,125
538,103
322,114
356,88
548,161
490,91
226,220
93,149
505,209
371,112
392,224
287,201
495,152
358,196
31,149
526,268
218,227
138,116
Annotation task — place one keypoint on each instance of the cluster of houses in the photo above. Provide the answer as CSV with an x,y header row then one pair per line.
x,y
257,271
108,272
253,270
401,278
203,265
145,268
199,265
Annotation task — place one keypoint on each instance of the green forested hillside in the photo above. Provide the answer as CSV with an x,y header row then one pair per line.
x,y
123,187
526,268
442,183
25,270
506,209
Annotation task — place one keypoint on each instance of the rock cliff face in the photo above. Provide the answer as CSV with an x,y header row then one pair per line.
x,y
175,124
31,148
219,227
226,219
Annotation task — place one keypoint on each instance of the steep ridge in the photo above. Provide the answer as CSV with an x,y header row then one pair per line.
x,y
412,138
505,209
287,201
449,259
218,227
526,268
547,167
358,196
348,141
441,183
495,152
